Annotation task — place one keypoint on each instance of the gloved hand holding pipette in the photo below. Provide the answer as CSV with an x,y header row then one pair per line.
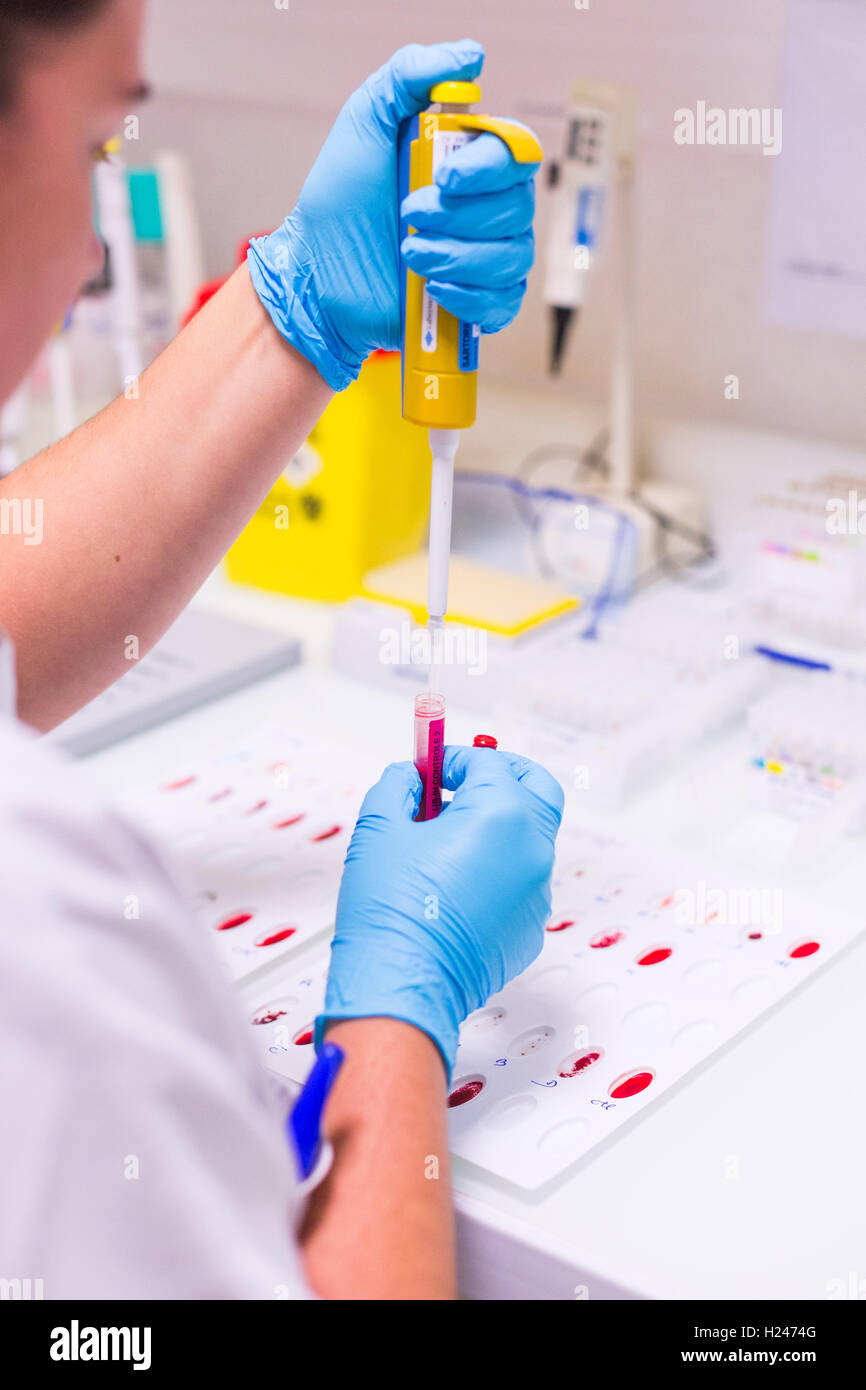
x,y
435,917
329,276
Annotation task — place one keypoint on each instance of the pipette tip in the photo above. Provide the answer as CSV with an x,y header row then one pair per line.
x,y
435,625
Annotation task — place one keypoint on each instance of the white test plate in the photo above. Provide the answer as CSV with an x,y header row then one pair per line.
x,y
650,966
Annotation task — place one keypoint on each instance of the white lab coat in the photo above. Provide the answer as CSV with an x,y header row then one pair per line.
x,y
142,1149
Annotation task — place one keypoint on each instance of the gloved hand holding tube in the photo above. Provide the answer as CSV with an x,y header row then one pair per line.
x,y
433,917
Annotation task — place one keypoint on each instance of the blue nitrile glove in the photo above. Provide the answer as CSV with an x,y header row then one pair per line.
x,y
328,276
435,916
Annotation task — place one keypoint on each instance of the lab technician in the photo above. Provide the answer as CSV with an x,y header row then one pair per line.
x,y
143,1154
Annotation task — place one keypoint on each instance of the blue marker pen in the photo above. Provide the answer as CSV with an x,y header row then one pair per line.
x,y
791,659
305,1121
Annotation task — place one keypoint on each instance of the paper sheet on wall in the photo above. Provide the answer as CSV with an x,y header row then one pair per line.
x,y
816,275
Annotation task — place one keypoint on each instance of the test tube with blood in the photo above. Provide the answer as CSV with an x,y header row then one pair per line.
x,y
429,752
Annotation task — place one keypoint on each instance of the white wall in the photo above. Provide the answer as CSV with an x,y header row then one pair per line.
x,y
248,92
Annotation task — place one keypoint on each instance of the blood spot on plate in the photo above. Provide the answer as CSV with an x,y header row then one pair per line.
x,y
804,948
257,806
631,1083
220,795
304,1037
578,1062
269,1014
179,784
561,924
289,820
530,1042
328,834
237,919
655,955
658,902
615,887
605,939
273,938
465,1090
485,1020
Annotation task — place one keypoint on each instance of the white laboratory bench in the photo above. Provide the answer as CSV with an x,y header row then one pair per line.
x,y
655,1210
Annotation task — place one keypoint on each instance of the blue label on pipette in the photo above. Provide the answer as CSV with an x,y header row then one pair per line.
x,y
590,203
469,336
408,132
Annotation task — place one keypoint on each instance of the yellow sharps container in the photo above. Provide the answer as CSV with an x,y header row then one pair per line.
x,y
355,496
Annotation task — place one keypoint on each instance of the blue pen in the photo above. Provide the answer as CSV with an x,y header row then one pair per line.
x,y
305,1121
791,659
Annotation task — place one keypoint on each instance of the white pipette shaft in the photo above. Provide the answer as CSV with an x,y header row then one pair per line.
x,y
443,447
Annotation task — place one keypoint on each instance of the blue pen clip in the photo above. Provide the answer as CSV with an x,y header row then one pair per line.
x,y
305,1121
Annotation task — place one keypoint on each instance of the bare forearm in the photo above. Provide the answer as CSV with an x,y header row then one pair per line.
x,y
381,1225
139,503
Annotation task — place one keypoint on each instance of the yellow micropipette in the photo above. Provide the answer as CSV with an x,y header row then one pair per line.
x,y
440,352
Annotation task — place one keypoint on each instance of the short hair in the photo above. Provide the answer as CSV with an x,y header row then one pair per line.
x,y
22,22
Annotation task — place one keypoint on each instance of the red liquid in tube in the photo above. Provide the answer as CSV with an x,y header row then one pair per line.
x,y
429,752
